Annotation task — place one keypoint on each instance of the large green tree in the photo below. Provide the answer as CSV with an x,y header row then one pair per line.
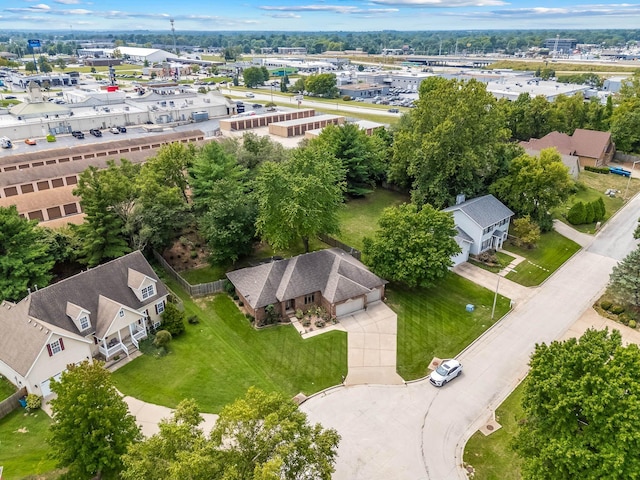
x,y
262,436
107,198
581,400
363,157
624,282
449,143
92,427
299,198
253,77
625,125
412,246
26,256
534,185
252,150
323,84
265,436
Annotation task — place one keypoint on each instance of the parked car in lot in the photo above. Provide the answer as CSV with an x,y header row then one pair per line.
x,y
78,134
256,105
446,371
114,130
122,129
30,141
95,132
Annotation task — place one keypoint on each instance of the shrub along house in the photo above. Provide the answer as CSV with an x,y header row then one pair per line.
x,y
102,312
329,278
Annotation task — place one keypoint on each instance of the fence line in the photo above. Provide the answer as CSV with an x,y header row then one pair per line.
x,y
343,246
624,157
194,290
9,404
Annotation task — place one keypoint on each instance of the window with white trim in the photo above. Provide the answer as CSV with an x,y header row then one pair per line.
x,y
121,313
55,347
84,322
309,299
148,292
159,307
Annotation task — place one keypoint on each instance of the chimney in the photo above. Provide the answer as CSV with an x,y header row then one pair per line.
x,y
460,198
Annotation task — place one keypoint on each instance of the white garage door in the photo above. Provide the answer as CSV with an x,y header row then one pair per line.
x,y
45,386
373,296
349,307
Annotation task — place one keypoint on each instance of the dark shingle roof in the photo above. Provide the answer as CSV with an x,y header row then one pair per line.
x,y
485,211
84,290
334,273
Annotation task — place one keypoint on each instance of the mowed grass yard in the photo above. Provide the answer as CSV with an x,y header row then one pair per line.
x,y
492,457
551,252
359,218
6,389
23,447
217,360
592,186
433,322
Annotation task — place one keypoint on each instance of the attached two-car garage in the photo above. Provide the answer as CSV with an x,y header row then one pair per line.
x,y
45,387
356,304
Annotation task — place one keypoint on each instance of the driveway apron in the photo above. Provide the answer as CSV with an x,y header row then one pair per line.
x,y
372,346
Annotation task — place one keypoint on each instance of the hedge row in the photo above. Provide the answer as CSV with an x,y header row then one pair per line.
x,y
603,170
590,212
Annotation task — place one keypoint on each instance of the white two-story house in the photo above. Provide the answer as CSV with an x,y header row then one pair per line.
x,y
100,313
482,224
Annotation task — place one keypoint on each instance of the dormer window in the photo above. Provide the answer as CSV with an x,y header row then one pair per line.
x,y
84,322
148,292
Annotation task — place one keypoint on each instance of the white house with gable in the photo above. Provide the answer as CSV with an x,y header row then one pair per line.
x,y
482,224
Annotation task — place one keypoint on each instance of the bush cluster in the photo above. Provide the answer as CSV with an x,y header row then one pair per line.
x,y
581,213
602,170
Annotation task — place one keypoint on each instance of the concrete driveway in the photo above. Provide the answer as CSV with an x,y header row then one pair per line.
x,y
372,346
418,431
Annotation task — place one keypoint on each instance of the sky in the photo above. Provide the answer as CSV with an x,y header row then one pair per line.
x,y
314,15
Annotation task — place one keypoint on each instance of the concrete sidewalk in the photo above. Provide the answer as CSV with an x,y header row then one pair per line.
x,y
148,415
582,239
484,278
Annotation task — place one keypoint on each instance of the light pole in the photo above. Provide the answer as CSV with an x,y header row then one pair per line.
x,y
626,190
495,295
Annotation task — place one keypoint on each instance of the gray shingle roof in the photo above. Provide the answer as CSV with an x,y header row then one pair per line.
x,y
334,273
84,290
485,211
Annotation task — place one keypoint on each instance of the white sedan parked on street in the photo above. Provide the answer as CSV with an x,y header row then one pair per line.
x,y
446,371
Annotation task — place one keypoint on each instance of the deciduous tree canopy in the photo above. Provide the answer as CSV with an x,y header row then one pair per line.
x,y
299,198
581,401
412,246
449,143
25,255
92,426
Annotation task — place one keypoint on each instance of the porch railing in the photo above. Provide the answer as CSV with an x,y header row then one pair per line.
x,y
112,350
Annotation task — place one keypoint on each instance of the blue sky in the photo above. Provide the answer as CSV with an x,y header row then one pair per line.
x,y
315,15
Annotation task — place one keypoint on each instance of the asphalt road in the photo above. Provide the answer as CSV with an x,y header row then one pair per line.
x,y
418,431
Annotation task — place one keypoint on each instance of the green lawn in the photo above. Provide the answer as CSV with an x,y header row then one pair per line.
x,y
6,389
492,456
23,449
433,322
552,251
359,218
591,187
204,274
218,359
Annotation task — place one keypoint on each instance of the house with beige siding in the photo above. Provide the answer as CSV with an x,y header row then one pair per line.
x,y
101,313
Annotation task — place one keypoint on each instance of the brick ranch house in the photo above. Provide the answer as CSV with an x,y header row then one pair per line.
x,y
329,278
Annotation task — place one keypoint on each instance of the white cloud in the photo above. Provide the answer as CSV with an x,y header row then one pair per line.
x,y
67,2
440,3
330,8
